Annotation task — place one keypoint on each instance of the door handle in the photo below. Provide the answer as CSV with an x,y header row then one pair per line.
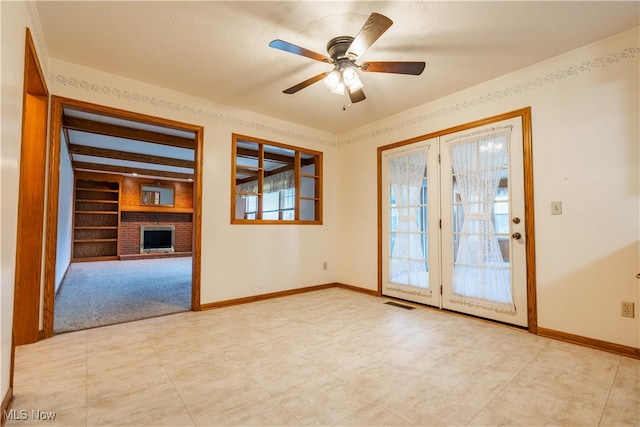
x,y
517,236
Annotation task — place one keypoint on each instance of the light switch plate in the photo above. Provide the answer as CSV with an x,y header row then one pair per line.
x,y
556,208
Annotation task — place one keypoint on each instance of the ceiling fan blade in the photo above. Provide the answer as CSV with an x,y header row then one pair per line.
x,y
413,68
292,48
372,29
356,96
308,82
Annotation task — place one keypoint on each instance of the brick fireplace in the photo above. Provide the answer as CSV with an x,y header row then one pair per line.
x,y
131,223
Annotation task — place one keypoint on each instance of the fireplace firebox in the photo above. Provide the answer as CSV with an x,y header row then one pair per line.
x,y
157,238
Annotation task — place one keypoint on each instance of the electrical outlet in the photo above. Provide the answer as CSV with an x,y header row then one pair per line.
x,y
627,309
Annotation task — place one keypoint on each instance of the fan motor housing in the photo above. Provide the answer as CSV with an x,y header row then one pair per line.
x,y
338,46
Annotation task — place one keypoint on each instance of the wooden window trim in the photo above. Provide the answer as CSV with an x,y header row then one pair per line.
x,y
298,152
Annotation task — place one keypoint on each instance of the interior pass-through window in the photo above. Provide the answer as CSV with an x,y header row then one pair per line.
x,y
275,183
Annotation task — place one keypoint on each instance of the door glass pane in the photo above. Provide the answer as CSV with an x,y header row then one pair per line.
x,y
408,230
480,220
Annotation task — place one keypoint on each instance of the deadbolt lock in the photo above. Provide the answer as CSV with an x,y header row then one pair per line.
x,y
516,220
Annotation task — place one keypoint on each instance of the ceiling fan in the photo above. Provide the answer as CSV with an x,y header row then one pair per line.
x,y
344,51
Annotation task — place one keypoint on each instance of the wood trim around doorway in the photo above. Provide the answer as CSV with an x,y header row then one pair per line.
x,y
31,201
30,226
57,105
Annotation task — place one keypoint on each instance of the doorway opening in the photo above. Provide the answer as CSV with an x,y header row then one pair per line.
x,y
112,174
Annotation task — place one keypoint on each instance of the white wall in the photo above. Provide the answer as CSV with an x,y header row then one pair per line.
x,y
65,213
585,119
237,260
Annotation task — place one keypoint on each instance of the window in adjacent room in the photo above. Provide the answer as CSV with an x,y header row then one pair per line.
x,y
275,183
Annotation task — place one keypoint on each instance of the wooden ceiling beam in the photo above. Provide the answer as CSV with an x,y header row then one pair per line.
x,y
100,128
133,157
246,171
96,167
276,158
253,154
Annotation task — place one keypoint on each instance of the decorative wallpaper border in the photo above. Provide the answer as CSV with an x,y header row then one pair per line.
x,y
200,113
547,79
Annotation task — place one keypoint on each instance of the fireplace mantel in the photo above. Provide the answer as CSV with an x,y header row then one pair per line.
x,y
162,209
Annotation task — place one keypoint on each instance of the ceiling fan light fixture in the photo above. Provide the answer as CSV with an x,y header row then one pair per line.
x,y
333,80
339,89
351,79
343,77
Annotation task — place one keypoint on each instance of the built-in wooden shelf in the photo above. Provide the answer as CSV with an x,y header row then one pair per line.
x,y
96,218
98,190
80,211
99,201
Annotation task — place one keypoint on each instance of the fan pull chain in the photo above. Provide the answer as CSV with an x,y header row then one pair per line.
x,y
348,99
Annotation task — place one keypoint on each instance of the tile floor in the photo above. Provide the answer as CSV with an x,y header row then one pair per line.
x,y
331,357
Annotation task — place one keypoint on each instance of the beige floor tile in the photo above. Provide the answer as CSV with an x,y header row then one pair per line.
x,y
113,381
51,361
155,406
220,391
489,418
331,357
378,379
280,373
623,404
561,386
423,404
54,375
61,396
374,416
184,347
119,334
204,370
323,400
266,412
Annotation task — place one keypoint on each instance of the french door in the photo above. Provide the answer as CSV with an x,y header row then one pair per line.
x,y
453,223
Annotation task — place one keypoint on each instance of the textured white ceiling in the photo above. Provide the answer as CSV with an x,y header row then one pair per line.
x,y
219,50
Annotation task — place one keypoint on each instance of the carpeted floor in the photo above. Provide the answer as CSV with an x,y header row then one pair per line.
x,y
107,292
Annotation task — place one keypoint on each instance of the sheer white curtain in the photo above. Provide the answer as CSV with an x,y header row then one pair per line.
x,y
408,257
480,276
